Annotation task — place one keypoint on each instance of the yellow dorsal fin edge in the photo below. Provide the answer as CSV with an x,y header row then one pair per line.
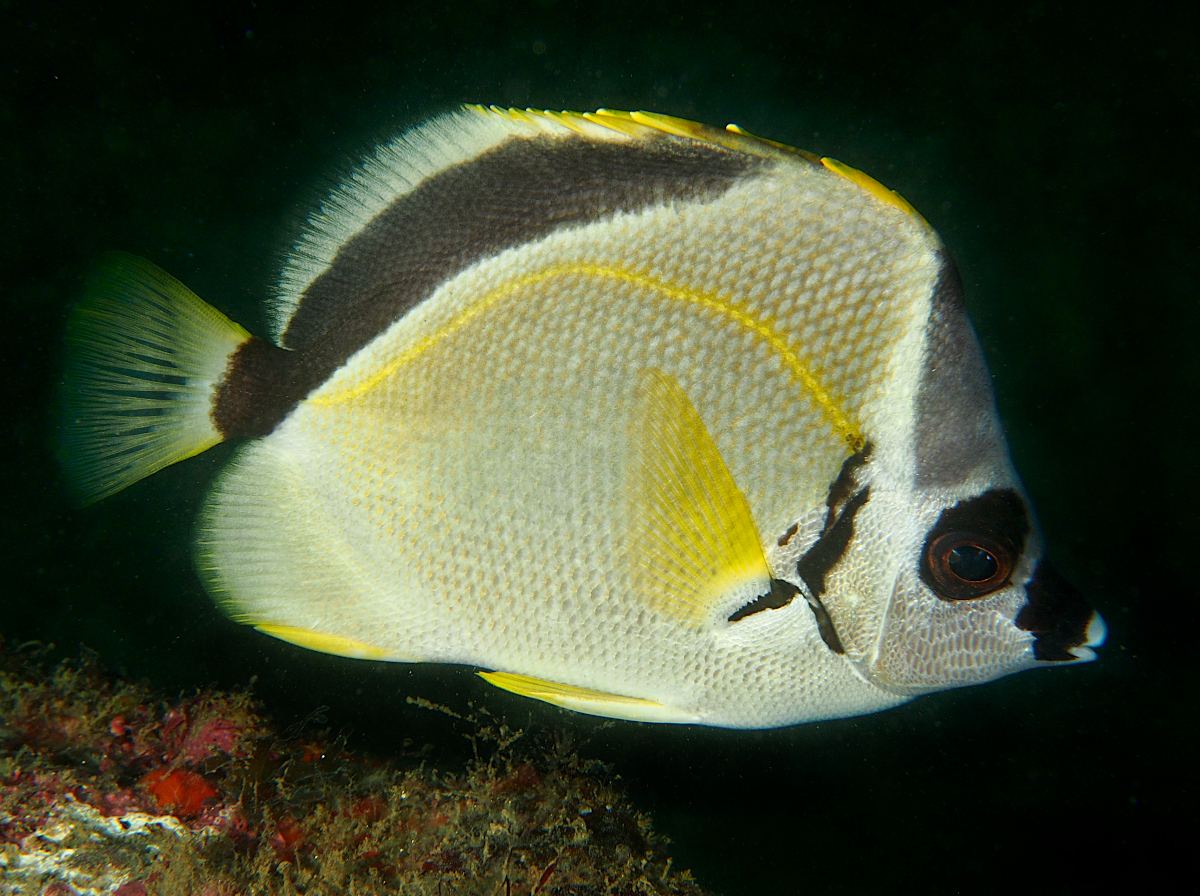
x,y
691,540
644,125
874,187
586,700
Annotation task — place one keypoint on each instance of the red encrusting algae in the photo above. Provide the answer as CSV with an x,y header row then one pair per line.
x,y
178,792
106,783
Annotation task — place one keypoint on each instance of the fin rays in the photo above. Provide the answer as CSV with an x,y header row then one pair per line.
x,y
143,355
691,539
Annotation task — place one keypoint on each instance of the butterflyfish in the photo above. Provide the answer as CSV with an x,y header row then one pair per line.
x,y
637,417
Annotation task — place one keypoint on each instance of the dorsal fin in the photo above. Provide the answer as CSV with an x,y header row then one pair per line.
x,y
397,167
393,170
455,192
692,545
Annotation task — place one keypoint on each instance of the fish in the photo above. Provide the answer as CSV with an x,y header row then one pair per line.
x,y
638,417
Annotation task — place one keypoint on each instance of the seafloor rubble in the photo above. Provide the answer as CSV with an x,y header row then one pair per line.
x,y
108,788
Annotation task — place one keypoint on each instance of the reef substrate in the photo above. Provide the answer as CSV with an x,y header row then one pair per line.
x,y
106,787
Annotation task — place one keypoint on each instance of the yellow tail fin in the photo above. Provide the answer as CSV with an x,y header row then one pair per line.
x,y
143,355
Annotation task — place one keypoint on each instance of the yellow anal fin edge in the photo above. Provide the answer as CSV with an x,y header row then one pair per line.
x,y
690,543
587,701
874,187
323,643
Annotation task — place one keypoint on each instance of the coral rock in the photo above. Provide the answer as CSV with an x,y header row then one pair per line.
x,y
107,789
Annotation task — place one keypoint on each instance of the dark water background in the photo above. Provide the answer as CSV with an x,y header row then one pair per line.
x,y
1055,152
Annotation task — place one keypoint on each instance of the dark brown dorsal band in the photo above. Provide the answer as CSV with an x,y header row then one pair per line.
x,y
253,395
514,193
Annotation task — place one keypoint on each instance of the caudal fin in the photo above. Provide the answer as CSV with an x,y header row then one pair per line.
x,y
143,355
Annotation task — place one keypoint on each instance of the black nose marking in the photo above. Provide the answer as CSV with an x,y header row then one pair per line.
x,y
1056,613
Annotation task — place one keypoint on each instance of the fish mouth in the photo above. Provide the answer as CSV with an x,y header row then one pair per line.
x,y
1096,634
1065,628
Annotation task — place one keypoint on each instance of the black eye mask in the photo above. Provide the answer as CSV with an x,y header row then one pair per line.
x,y
973,548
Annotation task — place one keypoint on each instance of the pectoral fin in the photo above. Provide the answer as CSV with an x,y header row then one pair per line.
x,y
691,541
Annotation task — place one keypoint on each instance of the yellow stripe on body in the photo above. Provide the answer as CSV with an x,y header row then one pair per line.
x,y
839,420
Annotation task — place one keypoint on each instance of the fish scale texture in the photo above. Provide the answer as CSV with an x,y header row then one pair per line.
x,y
454,491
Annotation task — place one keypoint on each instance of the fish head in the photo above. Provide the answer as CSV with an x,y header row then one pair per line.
x,y
967,595
942,581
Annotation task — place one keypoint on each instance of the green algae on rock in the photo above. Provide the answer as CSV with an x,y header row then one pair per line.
x,y
108,788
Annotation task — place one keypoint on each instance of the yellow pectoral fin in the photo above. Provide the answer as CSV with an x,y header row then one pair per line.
x,y
324,643
585,700
691,539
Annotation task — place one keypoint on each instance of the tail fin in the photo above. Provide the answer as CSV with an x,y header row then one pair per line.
x,y
143,355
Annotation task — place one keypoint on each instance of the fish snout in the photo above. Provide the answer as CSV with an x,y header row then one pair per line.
x,y
1064,626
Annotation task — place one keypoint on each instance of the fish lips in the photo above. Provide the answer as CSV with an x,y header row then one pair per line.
x,y
1064,626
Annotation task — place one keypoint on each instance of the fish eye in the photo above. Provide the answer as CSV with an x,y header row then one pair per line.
x,y
966,565
972,549
971,563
